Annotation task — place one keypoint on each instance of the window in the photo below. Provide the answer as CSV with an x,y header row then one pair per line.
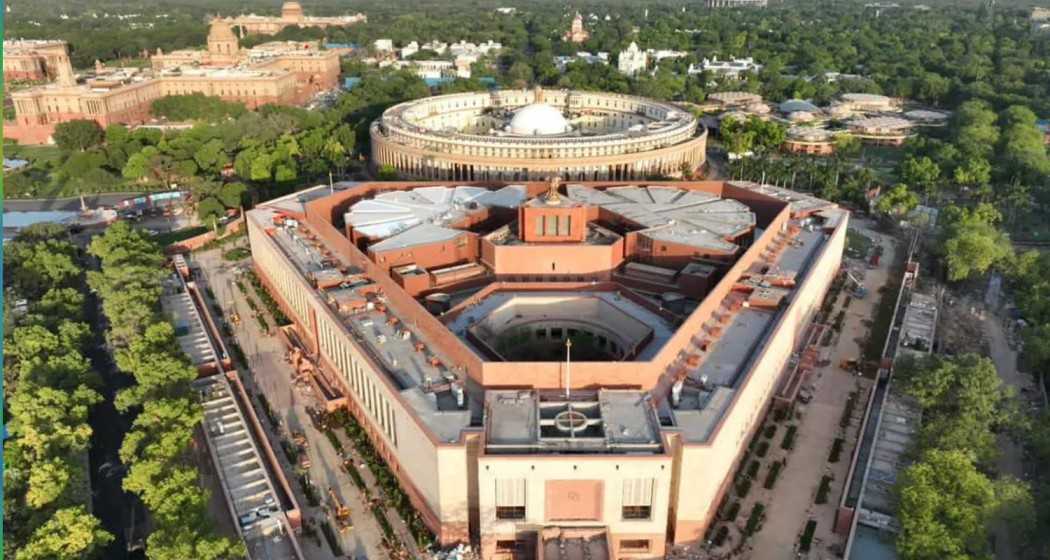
x,y
637,512
564,225
510,498
634,545
508,546
510,512
550,225
637,494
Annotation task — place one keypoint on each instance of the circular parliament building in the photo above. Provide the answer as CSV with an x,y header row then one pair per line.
x,y
521,135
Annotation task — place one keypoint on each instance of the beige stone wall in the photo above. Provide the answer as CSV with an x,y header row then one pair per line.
x,y
540,473
705,469
433,473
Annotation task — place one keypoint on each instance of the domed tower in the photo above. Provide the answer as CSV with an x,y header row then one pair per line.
x,y
221,40
292,12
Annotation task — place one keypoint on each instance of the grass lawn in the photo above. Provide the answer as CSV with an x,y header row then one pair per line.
x,y
165,239
35,154
858,245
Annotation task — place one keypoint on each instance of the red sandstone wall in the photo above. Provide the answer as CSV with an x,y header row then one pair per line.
x,y
435,255
591,261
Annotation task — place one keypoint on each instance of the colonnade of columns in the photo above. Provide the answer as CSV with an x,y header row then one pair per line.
x,y
436,168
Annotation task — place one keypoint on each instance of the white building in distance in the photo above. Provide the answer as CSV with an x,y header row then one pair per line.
x,y
561,62
632,60
732,68
409,49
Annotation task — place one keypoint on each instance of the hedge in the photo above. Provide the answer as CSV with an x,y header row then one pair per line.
x,y
824,490
789,437
333,540
836,450
771,430
774,472
743,487
752,469
763,448
729,515
309,491
754,521
390,491
807,536
847,411
720,537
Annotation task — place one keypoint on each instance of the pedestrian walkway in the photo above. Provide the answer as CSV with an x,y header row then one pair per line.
x,y
791,505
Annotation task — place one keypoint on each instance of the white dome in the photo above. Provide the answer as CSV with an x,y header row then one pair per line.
x,y
538,119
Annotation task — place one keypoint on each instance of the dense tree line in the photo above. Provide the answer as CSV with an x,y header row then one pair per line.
x,y
949,497
49,388
157,448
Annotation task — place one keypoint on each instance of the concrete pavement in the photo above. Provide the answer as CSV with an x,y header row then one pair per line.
x,y
271,376
1011,453
71,204
791,504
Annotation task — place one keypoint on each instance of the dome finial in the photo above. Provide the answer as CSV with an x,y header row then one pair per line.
x,y
552,197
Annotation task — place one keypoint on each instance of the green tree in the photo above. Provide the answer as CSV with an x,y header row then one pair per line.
x,y
71,534
897,201
921,172
945,504
520,74
77,135
387,173
211,156
963,402
971,241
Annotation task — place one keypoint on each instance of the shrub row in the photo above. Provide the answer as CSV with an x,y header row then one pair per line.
x,y
807,536
332,538
754,521
836,450
720,537
847,411
743,487
271,304
763,448
387,482
789,437
774,472
730,513
309,491
824,490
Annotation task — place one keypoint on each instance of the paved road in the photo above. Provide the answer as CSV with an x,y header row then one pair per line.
x,y
67,204
1011,458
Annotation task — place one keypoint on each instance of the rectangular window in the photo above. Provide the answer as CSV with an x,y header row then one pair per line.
x,y
510,498
508,546
637,498
550,225
637,512
634,545
516,512
539,225
564,225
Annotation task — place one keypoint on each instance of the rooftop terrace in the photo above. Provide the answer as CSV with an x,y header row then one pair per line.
x,y
608,421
